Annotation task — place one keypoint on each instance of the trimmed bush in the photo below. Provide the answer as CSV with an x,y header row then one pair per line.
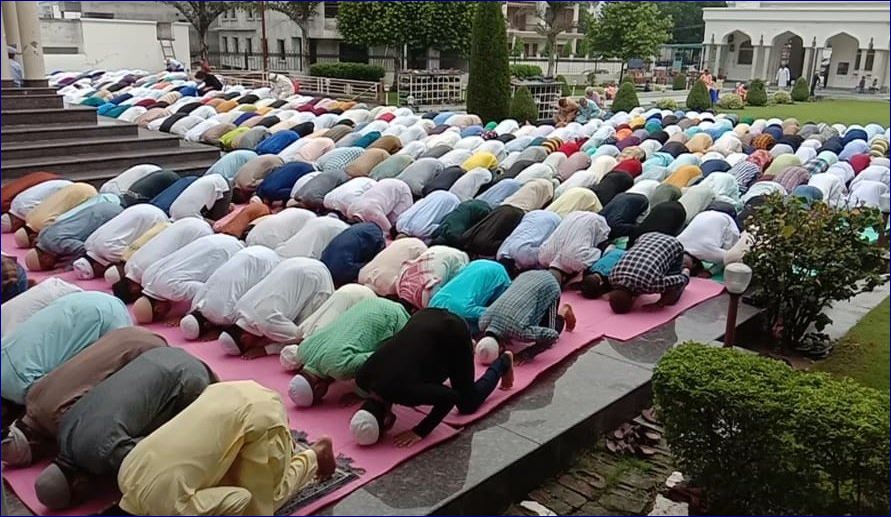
x,y
667,104
522,106
679,82
565,90
525,71
731,101
488,84
800,92
763,439
626,98
757,95
698,99
782,97
354,71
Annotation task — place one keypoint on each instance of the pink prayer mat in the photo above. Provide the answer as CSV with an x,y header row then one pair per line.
x,y
330,418
595,320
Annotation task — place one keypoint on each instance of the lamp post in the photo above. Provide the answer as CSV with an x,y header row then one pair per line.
x,y
737,277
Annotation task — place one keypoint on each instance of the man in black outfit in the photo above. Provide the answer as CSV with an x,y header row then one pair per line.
x,y
410,368
211,82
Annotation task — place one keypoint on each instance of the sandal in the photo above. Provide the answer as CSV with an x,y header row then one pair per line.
x,y
649,415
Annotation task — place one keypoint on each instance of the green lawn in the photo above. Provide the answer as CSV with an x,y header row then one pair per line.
x,y
830,111
863,353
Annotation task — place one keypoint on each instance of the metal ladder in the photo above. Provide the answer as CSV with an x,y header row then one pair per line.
x,y
167,49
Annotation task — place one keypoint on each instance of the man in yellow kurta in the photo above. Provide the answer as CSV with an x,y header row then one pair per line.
x,y
230,452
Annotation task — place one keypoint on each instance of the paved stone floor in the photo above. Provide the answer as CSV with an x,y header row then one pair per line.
x,y
601,482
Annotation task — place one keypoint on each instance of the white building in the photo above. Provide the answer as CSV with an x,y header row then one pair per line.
x,y
843,41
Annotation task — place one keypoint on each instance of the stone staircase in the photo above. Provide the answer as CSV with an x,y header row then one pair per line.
x,y
40,134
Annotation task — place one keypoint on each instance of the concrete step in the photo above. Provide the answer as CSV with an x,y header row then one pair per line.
x,y
21,92
104,129
41,101
36,117
73,146
100,166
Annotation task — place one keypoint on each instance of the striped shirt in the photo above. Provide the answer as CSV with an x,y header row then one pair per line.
x,y
653,265
519,313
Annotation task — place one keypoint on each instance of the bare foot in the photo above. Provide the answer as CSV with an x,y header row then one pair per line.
x,y
253,353
507,378
568,316
324,450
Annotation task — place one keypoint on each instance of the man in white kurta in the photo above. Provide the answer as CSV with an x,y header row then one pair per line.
x,y
171,239
345,195
338,303
273,230
27,200
23,306
573,246
122,182
199,199
382,204
214,305
274,308
708,237
179,276
106,245
313,238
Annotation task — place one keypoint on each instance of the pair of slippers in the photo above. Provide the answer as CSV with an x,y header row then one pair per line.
x,y
635,439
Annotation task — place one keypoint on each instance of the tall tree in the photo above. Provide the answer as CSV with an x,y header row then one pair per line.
x,y
488,86
555,18
627,30
201,15
300,13
416,25
687,19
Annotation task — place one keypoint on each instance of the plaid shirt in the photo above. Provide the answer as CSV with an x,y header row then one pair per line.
x,y
519,313
816,166
653,265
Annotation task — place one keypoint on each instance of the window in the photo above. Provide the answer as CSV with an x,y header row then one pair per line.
x,y
842,68
331,9
352,53
249,45
281,47
297,45
856,60
744,53
235,46
224,42
870,60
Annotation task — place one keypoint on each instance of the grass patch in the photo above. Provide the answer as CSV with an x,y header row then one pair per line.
x,y
863,354
829,111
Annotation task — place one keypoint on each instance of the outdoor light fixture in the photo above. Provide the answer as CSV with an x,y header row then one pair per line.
x,y
737,277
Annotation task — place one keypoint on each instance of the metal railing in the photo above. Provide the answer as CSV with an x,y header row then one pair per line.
x,y
369,91
290,61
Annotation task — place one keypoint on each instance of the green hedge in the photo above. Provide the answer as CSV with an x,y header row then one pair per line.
x,y
522,106
354,71
757,95
565,89
679,82
626,98
761,438
525,71
800,92
698,98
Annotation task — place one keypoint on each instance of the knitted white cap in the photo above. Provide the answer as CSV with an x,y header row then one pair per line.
x,y
487,350
364,428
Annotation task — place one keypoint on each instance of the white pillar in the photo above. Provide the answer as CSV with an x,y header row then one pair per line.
x,y
753,73
705,55
764,72
32,49
883,73
5,71
806,63
11,25
717,68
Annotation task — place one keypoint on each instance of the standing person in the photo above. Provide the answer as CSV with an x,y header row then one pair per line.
x,y
783,77
18,73
861,86
410,368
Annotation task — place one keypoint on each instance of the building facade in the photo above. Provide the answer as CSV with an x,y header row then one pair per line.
x,y
843,42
